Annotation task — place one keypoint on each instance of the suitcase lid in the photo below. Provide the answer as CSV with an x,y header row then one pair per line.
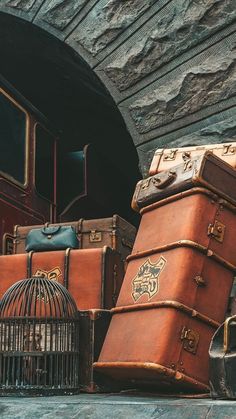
x,y
167,157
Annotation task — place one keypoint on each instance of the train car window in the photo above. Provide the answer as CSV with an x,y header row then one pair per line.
x,y
12,139
44,163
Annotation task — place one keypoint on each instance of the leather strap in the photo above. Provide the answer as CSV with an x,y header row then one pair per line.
x,y
66,267
29,264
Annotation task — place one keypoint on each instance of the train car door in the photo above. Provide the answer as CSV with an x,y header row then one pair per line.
x,y
26,151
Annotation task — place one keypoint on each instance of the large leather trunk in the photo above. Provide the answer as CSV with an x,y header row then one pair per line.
x,y
92,276
223,361
93,329
207,170
175,293
165,159
114,232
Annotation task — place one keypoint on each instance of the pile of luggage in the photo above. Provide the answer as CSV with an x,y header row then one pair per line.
x,y
88,258
179,276
147,319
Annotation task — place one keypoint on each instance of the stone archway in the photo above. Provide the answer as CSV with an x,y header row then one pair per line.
x,y
169,65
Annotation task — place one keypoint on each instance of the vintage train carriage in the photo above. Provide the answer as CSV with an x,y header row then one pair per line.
x,y
42,178
27,164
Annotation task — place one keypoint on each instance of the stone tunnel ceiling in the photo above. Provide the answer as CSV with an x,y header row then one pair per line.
x,y
169,65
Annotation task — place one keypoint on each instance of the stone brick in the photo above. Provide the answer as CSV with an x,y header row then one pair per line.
x,y
59,13
203,85
181,25
24,5
106,21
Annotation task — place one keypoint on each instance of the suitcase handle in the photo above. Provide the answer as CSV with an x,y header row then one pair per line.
x,y
227,333
162,182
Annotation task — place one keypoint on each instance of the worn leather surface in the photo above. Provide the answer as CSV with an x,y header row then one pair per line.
x,y
91,278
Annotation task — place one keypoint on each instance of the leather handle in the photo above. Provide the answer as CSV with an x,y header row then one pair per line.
x,y
164,180
50,230
227,332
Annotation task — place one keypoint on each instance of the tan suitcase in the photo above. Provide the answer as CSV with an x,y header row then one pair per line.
x,y
114,232
165,159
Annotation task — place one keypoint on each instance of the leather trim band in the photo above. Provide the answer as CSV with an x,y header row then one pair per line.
x,y
183,243
184,194
167,304
29,264
177,196
66,267
165,372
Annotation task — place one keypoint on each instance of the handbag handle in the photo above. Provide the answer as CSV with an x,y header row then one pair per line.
x,y
164,180
227,333
50,230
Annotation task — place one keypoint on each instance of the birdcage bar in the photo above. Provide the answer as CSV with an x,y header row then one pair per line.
x,y
38,339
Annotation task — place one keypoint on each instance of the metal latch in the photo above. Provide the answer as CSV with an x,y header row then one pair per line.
x,y
190,339
95,236
217,231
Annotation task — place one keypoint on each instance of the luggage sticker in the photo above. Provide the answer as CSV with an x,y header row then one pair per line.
x,y
147,279
53,275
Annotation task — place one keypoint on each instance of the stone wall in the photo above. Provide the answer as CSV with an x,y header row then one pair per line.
x,y
170,65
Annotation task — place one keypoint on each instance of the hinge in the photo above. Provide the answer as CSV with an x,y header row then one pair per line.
x,y
190,339
217,231
146,183
186,155
170,156
228,150
95,236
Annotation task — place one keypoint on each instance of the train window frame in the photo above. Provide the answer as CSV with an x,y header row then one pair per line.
x,y
53,201
27,130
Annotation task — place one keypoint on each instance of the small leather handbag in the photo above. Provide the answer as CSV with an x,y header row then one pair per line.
x,y
51,238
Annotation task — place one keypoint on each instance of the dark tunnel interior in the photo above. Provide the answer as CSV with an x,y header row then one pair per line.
x,y
63,87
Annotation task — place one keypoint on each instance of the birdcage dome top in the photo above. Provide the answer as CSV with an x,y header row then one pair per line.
x,y
38,297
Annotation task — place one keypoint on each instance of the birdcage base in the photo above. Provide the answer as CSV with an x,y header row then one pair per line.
x,y
37,392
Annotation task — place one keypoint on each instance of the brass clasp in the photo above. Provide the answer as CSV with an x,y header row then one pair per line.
x,y
217,231
190,339
95,236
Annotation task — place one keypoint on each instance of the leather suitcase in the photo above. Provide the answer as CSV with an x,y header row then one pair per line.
x,y
207,170
165,159
92,276
223,361
93,329
175,293
114,232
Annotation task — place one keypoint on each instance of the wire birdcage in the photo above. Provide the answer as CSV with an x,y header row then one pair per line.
x,y
39,339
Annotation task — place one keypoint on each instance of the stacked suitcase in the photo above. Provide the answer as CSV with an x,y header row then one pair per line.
x,y
179,276
93,275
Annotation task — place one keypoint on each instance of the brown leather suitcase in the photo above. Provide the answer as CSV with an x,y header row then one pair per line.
x,y
165,159
207,170
114,232
92,276
175,293
93,329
